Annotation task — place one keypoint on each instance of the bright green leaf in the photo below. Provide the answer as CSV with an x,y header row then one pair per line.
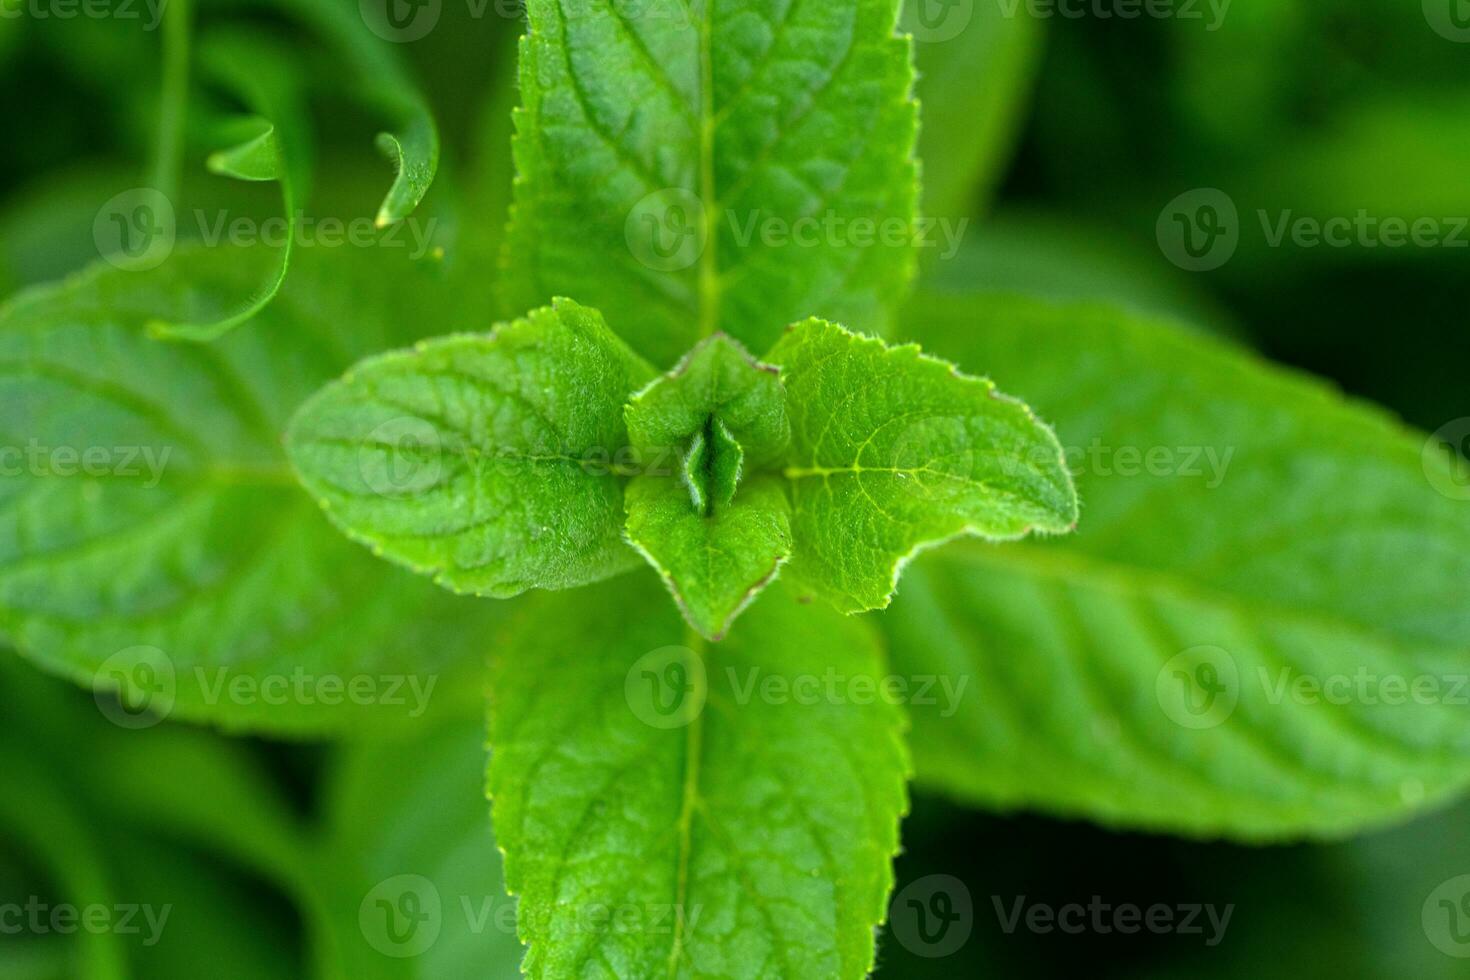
x,y
380,82
742,828
265,78
715,563
1265,578
716,536
720,167
719,395
155,538
892,450
489,461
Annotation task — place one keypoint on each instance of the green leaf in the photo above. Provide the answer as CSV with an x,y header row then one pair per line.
x,y
258,158
381,83
714,563
490,461
976,64
1249,535
717,542
671,810
664,161
266,79
152,534
892,450
132,789
716,382
407,826
54,833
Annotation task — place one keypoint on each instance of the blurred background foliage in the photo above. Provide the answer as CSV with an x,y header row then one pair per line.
x,y
1060,139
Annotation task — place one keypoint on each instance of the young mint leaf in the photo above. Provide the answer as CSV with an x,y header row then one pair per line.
x,y
714,534
892,450
266,80
492,462
153,535
1262,631
714,562
734,810
725,167
381,83
722,397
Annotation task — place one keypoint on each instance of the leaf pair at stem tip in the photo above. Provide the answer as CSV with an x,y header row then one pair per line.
x,y
533,456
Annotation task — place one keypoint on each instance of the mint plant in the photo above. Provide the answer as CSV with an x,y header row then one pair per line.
x,y
693,509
